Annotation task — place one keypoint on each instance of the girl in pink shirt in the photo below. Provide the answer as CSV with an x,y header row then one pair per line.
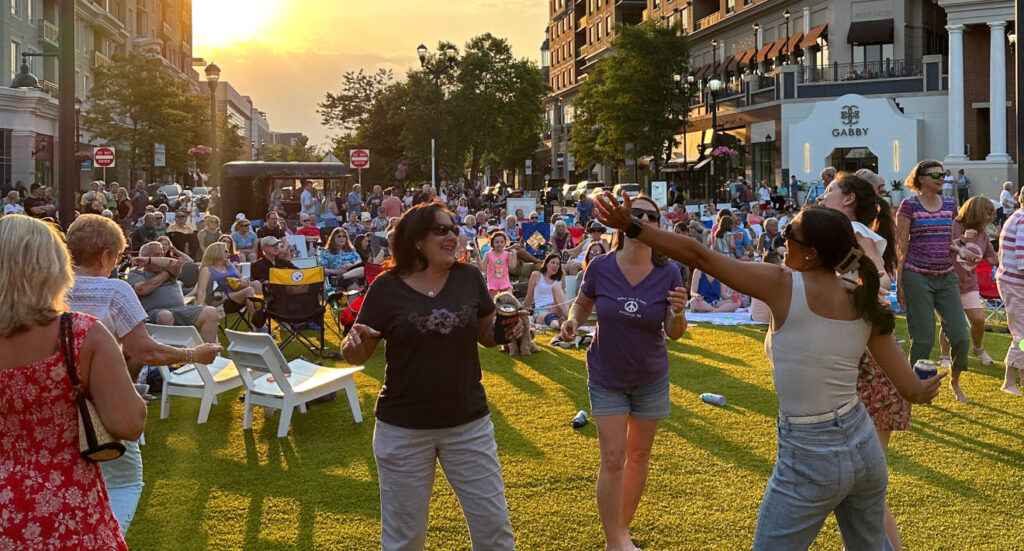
x,y
497,263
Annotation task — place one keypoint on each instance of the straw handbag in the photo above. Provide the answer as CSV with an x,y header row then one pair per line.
x,y
94,441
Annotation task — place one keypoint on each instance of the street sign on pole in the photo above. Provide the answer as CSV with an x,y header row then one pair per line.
x,y
159,155
529,166
359,158
104,157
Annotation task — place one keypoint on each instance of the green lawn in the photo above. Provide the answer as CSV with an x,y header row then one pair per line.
x,y
956,478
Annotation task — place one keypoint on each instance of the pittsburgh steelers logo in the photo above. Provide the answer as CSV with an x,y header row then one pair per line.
x,y
296,276
631,306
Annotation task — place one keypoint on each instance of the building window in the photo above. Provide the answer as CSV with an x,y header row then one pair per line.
x,y
5,157
730,6
873,54
608,25
14,7
598,32
657,4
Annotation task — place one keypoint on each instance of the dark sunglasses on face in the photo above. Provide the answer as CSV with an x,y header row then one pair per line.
x,y
441,230
787,234
934,175
652,215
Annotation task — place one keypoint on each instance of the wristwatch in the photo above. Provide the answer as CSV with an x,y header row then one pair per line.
x,y
634,229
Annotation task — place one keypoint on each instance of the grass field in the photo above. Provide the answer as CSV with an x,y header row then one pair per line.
x,y
956,478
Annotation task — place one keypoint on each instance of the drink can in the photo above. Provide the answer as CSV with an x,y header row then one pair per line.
x,y
580,419
713,399
503,324
926,368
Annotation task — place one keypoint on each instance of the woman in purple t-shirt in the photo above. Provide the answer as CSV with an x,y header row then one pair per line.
x,y
640,299
925,280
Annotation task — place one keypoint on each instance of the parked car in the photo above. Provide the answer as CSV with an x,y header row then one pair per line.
x,y
631,190
568,194
170,193
588,187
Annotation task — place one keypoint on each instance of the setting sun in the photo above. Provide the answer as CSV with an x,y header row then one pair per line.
x,y
221,23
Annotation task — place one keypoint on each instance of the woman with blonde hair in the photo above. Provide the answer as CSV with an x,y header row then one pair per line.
x,y
216,273
209,233
970,245
229,246
40,440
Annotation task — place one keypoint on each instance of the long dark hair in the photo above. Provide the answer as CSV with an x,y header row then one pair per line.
x,y
872,211
830,233
362,246
544,266
338,241
657,258
414,225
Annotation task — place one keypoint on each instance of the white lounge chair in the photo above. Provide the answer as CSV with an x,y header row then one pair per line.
x,y
285,385
193,380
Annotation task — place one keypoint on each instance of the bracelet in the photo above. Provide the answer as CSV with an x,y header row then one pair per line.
x,y
188,355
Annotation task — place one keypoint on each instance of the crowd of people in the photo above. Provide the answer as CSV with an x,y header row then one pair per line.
x,y
432,260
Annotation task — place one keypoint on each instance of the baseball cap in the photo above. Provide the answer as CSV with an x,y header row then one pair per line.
x,y
269,241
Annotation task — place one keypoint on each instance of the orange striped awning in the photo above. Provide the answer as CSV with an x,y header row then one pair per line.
x,y
812,37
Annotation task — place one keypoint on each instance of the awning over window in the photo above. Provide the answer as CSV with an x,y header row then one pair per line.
x,y
776,50
728,64
703,72
871,32
812,37
794,43
763,52
745,58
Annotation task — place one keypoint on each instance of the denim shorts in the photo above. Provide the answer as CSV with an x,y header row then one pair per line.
x,y
649,401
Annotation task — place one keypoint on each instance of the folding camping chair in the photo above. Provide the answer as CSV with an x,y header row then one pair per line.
x,y
993,303
294,299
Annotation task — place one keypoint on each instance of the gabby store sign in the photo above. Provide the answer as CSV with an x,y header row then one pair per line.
x,y
852,121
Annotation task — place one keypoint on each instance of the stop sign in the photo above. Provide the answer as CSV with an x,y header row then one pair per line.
x,y
103,157
359,158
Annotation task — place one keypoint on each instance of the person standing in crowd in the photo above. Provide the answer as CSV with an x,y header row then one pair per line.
x,y
1010,282
96,245
36,206
584,209
140,200
54,498
827,445
794,188
1007,203
963,186
948,181
355,202
374,201
640,300
970,245
307,199
13,205
498,264
827,175
392,204
926,282
123,207
433,312
546,293
872,220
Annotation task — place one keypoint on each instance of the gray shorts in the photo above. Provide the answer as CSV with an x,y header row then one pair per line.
x,y
649,401
185,315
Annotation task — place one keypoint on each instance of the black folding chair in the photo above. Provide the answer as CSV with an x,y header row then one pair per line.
x,y
294,299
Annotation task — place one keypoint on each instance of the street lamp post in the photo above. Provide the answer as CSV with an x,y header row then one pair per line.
x,y
437,70
757,47
212,78
684,86
78,123
714,85
1019,93
714,57
786,15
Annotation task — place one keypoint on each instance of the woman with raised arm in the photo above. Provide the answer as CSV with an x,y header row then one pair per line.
x,y
818,333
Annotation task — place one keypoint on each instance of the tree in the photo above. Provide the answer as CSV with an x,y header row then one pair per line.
x,y
134,104
349,108
629,106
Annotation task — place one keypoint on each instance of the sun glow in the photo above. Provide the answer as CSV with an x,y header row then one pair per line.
x,y
220,23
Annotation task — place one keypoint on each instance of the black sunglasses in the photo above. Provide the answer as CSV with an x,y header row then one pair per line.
x,y
935,175
441,230
787,234
652,215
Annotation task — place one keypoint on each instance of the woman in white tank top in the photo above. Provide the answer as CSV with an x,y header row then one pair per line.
x,y
829,457
546,293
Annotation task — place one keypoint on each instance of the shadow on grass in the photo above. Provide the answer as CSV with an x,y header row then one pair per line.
x,y
958,417
699,378
1000,411
500,363
511,441
903,464
695,349
960,443
695,429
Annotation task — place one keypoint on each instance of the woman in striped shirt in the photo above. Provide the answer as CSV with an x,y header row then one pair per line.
x,y
1010,280
926,282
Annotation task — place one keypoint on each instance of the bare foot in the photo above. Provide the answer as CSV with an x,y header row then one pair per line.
x,y
1011,390
960,396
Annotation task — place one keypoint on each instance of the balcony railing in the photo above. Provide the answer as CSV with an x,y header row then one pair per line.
x,y
872,70
48,32
49,87
99,60
708,21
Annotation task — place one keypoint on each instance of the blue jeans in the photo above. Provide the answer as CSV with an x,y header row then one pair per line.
x,y
836,465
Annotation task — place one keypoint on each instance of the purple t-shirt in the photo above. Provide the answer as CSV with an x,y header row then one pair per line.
x,y
631,319
930,236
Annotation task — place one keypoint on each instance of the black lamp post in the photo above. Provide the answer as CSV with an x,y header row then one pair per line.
x,y
756,27
714,85
786,15
437,70
1019,93
714,57
771,145
212,78
78,123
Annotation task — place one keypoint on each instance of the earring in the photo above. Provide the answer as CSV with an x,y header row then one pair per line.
x,y
808,257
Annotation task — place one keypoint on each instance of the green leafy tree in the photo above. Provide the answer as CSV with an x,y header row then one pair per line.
x,y
134,104
629,106
350,107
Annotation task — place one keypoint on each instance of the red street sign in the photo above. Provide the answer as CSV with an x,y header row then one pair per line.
x,y
103,157
359,158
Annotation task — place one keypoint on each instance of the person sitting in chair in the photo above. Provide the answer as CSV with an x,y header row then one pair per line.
x,y
217,274
271,247
155,280
341,262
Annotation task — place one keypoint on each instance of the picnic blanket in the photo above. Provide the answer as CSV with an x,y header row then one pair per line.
x,y
739,317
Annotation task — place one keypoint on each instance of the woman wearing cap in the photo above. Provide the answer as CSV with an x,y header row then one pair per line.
x,y
245,240
829,457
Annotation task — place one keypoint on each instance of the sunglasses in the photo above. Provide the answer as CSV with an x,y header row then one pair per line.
x,y
441,230
935,175
787,234
652,215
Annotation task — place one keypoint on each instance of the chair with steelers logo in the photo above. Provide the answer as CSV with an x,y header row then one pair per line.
x,y
294,300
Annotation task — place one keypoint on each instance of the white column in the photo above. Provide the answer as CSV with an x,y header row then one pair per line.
x,y
956,93
997,92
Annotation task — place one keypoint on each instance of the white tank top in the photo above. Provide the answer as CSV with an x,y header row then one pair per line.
x,y
814,359
542,293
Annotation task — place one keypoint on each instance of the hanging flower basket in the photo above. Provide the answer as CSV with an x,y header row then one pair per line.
x,y
82,156
723,151
200,151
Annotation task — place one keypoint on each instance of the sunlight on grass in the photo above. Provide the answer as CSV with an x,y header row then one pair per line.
x,y
222,519
182,443
279,520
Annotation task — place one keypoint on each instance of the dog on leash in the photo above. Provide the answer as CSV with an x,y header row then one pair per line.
x,y
524,345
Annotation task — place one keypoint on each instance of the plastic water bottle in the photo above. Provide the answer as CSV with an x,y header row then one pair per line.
x,y
580,419
713,399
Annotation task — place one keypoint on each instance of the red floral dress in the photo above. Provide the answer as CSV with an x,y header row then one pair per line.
x,y
887,408
50,498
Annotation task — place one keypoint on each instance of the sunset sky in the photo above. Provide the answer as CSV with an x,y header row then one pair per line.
x,y
286,54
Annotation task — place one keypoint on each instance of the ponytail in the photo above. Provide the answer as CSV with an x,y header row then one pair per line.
x,y
885,226
865,298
